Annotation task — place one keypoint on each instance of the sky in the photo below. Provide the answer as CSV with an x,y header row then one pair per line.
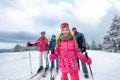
x,y
21,21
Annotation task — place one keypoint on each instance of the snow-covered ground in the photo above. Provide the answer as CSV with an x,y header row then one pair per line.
x,y
16,66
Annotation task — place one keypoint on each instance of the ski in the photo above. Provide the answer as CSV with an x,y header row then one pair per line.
x,y
53,76
44,73
34,75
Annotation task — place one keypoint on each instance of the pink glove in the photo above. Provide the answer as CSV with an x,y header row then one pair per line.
x,y
89,61
52,57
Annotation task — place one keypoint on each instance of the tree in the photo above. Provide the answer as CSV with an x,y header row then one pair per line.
x,y
99,47
17,48
111,41
87,46
93,45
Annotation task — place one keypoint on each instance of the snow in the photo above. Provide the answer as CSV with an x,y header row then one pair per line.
x,y
16,66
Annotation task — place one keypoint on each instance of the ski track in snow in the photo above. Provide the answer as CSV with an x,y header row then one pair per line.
x,y
16,66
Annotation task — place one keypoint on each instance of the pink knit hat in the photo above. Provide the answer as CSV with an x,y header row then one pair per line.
x,y
64,25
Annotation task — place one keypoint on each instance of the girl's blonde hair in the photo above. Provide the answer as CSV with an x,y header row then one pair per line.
x,y
59,40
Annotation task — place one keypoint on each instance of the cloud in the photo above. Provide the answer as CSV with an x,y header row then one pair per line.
x,y
8,45
19,16
34,16
16,20
30,14
91,12
16,37
23,14
116,4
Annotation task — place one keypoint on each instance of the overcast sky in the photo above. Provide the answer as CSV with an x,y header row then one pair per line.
x,y
23,20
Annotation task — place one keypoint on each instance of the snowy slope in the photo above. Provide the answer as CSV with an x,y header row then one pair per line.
x,y
16,66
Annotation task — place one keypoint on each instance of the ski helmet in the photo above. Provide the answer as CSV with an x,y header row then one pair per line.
x,y
43,32
53,36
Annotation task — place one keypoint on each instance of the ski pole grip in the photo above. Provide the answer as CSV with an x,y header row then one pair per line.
x,y
86,54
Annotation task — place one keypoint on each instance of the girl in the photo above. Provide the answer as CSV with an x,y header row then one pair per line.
x,y
52,45
67,51
42,42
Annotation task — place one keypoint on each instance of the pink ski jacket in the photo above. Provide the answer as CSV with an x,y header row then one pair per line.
x,y
67,54
42,43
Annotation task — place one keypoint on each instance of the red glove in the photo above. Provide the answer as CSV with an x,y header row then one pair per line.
x,y
89,61
52,57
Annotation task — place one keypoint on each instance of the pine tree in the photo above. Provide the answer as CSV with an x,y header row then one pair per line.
x,y
87,46
93,45
17,48
99,47
111,41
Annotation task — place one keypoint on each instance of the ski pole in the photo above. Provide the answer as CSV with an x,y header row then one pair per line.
x,y
30,61
86,54
51,75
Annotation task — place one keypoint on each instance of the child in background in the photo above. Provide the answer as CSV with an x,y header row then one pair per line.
x,y
67,51
52,45
42,42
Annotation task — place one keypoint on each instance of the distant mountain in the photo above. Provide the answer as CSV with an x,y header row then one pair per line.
x,y
18,48
6,50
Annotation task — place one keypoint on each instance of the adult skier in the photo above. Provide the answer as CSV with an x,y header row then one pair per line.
x,y
82,46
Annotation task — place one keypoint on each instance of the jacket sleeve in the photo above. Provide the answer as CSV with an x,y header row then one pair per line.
x,y
79,54
84,41
36,43
49,47
56,51
52,57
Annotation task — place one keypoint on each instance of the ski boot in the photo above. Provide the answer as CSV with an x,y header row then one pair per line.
x,y
57,69
86,76
51,68
46,68
40,69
